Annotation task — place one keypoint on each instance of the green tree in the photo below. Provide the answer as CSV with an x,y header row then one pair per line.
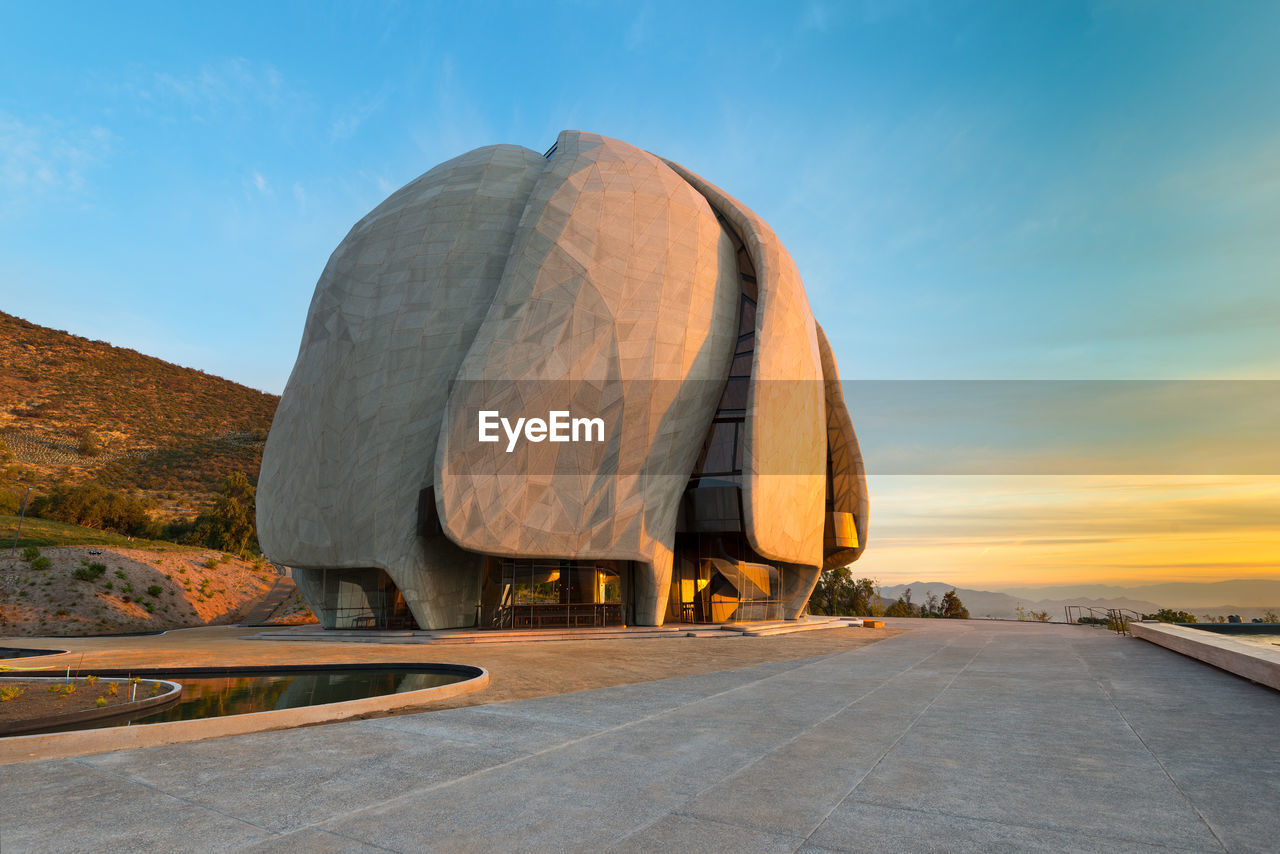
x,y
952,607
231,526
94,506
1168,615
902,607
10,500
838,594
864,598
827,593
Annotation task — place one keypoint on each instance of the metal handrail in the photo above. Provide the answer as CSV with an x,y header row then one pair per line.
x,y
1119,620
1075,614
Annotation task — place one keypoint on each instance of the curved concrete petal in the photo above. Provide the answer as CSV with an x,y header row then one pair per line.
x,y
848,475
784,461
394,313
620,301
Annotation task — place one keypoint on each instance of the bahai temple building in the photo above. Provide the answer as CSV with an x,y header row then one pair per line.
x,y
575,388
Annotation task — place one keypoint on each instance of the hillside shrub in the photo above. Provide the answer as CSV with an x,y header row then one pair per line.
x,y
89,571
10,500
92,505
89,444
154,590
1169,615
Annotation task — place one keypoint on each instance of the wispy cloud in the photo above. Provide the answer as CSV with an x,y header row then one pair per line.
x,y
347,120
45,155
213,93
261,184
228,82
639,29
385,187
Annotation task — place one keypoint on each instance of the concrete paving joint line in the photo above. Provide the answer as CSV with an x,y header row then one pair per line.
x,y
612,731
1155,758
905,729
880,684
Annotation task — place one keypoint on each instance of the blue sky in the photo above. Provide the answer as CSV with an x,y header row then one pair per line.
x,y
999,190
989,190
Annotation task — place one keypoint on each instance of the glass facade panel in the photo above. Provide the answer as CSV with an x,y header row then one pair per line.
x,y
721,447
537,593
717,578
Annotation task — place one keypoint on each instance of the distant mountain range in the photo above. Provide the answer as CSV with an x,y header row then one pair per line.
x,y
1246,597
1187,595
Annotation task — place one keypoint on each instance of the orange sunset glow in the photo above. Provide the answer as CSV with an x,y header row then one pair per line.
x,y
993,531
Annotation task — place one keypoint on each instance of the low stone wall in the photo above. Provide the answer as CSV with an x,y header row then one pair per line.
x,y
1252,662
58,745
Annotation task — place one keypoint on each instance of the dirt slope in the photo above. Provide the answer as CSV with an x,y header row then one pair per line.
x,y
138,591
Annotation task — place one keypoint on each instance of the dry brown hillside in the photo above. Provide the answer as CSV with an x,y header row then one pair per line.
x,y
136,590
73,409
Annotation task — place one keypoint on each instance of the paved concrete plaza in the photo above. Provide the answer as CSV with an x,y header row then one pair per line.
x,y
955,736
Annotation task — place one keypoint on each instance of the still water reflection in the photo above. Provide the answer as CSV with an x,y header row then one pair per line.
x,y
208,696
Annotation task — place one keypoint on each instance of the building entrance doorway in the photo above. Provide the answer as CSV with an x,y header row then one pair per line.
x,y
716,578
535,593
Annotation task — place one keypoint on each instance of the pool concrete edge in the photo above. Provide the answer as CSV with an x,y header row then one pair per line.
x,y
62,745
1252,662
84,716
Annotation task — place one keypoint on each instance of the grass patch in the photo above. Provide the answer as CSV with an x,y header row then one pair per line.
x,y
46,532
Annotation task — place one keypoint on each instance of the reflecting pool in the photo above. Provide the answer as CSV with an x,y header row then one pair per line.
x,y
211,692
210,696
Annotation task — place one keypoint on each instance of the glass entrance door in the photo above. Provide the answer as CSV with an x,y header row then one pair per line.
x,y
536,593
717,578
